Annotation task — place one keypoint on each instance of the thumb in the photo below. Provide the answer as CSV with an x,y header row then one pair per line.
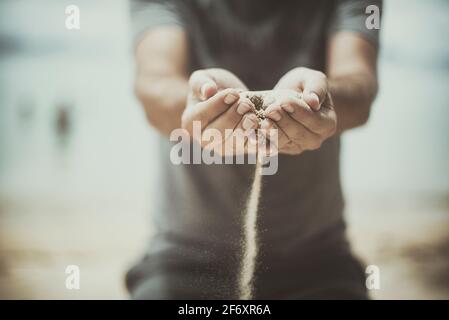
x,y
208,90
315,89
312,99
202,85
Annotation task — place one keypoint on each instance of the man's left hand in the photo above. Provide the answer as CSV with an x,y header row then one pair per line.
x,y
304,114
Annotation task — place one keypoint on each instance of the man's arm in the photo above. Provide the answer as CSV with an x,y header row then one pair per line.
x,y
172,99
352,78
345,93
161,82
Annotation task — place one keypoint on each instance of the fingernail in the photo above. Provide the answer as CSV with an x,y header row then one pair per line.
x,y
288,107
248,123
243,108
313,100
230,98
203,90
276,116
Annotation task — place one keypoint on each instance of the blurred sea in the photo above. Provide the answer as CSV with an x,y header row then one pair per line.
x,y
76,160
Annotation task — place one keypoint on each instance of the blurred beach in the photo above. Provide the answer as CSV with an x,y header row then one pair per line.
x,y
77,170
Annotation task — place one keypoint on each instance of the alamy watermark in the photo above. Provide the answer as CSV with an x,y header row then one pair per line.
x,y
72,281
72,20
373,20
372,277
236,146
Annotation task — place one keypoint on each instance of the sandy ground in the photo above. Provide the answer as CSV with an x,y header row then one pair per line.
x,y
39,240
409,245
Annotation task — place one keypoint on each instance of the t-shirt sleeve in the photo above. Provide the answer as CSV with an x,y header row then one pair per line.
x,y
351,15
146,14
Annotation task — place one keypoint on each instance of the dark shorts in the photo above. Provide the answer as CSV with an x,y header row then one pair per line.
x,y
322,269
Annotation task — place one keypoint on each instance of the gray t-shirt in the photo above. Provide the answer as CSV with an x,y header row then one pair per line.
x,y
259,41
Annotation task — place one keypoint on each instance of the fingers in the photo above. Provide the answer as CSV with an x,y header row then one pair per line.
x,y
203,85
320,122
270,123
236,138
312,83
315,89
207,90
244,134
235,116
294,131
206,83
273,135
282,143
207,111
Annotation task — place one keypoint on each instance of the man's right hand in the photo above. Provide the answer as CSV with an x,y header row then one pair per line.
x,y
214,100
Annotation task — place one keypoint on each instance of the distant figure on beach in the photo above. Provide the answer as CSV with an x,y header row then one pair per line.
x,y
194,58
62,119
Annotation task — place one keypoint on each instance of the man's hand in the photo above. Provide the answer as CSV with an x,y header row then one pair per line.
x,y
214,100
303,113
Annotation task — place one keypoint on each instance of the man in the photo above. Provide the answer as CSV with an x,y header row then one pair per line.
x,y
193,58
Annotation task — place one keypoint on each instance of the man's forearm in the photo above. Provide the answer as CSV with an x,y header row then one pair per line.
x,y
352,96
164,100
161,79
352,78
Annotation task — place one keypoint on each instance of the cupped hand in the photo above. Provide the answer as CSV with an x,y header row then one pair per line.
x,y
214,100
302,111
